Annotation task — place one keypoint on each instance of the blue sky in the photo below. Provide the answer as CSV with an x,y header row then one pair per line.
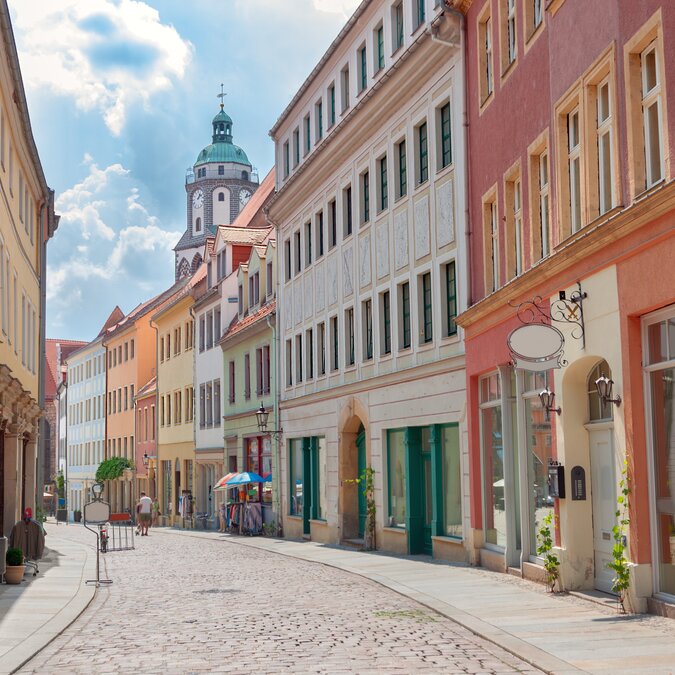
x,y
121,95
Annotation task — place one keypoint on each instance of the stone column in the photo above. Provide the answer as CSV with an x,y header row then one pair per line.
x,y
13,457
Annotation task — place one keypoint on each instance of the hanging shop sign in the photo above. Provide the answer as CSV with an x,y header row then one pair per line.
x,y
538,345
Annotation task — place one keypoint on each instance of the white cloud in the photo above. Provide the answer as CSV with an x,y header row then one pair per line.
x,y
344,7
106,54
109,249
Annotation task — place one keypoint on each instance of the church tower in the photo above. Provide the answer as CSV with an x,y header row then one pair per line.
x,y
217,187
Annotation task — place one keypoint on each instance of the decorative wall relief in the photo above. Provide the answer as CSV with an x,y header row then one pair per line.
x,y
382,249
364,260
347,271
332,279
320,287
445,213
422,243
401,239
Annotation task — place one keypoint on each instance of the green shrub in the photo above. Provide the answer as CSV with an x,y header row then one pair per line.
x,y
110,469
14,557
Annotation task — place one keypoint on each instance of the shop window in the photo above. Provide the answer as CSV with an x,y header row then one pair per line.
x,y
397,477
452,481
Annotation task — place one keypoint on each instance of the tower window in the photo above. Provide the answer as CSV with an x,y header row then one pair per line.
x,y
244,175
198,225
221,196
221,170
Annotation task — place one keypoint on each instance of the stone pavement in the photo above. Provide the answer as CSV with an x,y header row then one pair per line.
x,y
181,604
34,612
556,633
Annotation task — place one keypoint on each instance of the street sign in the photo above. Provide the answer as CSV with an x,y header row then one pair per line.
x,y
96,512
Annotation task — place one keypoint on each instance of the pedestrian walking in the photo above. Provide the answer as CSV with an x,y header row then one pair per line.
x,y
155,513
223,517
144,509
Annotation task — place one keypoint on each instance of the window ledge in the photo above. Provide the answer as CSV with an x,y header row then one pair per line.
x,y
459,541
294,517
441,172
395,530
319,521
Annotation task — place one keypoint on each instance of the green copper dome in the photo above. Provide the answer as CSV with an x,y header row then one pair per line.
x,y
222,149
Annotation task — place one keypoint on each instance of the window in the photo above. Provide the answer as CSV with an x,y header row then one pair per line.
x,y
652,114
514,224
297,473
385,313
217,412
289,363
490,243
161,349
379,47
209,331
298,253
287,259
287,160
168,410
401,170
363,69
540,206
422,154
419,9
533,16
383,188
231,382
404,315
397,25
321,337
485,55
396,470
426,315
209,404
574,169
247,377
198,225
367,323
308,138
298,359
349,329
450,279
318,121
269,279
202,405
240,298
604,147
177,406
318,223
344,88
365,197
267,372
331,105
332,224
445,141
335,352
132,343
509,45
347,210
308,244
309,345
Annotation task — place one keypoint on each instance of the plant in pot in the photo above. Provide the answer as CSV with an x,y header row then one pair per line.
x,y
15,567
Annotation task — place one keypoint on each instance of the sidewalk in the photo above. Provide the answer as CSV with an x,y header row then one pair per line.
x,y
38,609
558,634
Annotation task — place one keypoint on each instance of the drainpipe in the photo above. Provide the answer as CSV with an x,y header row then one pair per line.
x,y
42,422
154,327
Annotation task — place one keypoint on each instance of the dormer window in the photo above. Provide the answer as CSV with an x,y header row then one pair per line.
x,y
241,299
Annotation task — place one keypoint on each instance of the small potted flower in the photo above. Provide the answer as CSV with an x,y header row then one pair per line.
x,y
15,567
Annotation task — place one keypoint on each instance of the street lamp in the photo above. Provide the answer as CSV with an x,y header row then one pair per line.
x,y
97,490
262,416
146,460
604,386
547,398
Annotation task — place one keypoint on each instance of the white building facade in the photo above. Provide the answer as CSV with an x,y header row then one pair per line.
x,y
85,423
371,228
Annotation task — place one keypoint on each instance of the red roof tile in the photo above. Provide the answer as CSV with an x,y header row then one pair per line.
x,y
238,325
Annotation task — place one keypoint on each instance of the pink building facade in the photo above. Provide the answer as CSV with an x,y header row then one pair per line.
x,y
571,201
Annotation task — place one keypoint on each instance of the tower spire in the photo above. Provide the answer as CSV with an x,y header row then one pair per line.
x,y
222,96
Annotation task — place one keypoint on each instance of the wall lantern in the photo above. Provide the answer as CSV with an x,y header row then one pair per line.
x,y
263,415
97,491
146,460
547,398
604,386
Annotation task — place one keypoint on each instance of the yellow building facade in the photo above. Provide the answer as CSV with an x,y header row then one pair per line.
x,y
174,464
27,221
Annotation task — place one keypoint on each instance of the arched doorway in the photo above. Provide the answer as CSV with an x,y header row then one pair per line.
x,y
600,429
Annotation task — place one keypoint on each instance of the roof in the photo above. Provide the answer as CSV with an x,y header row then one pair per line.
x,y
56,353
238,325
223,153
193,281
148,388
115,317
257,201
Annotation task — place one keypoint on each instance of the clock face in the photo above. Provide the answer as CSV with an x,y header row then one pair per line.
x,y
244,196
197,199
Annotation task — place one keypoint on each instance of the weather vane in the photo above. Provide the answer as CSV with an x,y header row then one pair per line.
x,y
222,95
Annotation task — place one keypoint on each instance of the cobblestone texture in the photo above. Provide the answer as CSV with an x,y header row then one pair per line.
x,y
188,605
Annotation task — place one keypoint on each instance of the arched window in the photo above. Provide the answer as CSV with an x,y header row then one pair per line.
x,y
244,175
596,411
183,269
221,128
227,129
221,196
196,262
198,225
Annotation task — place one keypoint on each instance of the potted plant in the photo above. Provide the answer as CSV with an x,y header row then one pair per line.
x,y
15,567
77,516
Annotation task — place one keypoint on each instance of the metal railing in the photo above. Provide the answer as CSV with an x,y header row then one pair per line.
x,y
216,174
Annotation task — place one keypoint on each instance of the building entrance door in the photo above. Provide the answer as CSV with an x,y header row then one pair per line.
x,y
603,493
428,507
361,449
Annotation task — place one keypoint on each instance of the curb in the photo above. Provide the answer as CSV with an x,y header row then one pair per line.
x,y
534,656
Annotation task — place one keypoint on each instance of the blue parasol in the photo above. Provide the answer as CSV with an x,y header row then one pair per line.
x,y
246,477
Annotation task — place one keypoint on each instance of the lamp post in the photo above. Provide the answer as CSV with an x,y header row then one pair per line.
x,y
262,416
604,386
547,398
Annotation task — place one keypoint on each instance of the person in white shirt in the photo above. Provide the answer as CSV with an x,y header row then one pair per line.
x,y
144,513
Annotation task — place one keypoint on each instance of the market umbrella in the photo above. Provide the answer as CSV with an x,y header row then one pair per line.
x,y
47,494
220,485
246,477
267,478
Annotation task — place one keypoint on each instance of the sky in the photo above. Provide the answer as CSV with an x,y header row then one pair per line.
x,y
121,95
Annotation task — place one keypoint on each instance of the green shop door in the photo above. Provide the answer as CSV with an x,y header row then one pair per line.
x,y
361,448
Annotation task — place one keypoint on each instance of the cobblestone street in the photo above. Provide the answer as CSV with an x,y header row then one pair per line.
x,y
182,604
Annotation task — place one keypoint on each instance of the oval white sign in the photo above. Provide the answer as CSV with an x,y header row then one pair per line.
x,y
536,341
